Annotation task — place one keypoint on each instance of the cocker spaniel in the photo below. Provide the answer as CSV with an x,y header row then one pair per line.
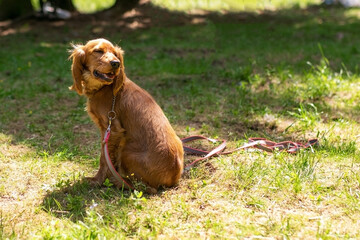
x,y
142,143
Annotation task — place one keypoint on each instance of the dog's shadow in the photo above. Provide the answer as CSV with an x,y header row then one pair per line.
x,y
75,200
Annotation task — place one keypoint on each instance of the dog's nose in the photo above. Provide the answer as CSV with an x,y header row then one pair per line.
x,y
115,64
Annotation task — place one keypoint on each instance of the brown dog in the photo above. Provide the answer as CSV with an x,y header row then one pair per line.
x,y
142,143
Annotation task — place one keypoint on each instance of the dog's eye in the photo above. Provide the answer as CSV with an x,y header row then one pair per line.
x,y
98,51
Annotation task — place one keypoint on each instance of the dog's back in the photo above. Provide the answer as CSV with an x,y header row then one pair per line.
x,y
152,152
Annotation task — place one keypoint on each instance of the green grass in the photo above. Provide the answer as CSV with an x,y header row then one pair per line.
x,y
188,5
232,5
291,74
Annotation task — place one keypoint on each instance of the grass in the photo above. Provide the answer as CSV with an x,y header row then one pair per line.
x,y
188,5
232,5
290,74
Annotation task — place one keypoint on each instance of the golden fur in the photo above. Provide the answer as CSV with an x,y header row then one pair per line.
x,y
142,143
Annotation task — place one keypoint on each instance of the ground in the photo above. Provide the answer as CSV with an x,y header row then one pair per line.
x,y
285,74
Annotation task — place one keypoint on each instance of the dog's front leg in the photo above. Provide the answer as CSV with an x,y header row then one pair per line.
x,y
100,176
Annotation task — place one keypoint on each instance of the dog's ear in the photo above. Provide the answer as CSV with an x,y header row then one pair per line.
x,y
119,81
77,55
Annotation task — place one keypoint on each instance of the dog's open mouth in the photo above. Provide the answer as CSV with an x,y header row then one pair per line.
x,y
109,77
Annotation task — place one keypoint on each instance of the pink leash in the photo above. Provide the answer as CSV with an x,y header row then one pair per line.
x,y
260,143
111,116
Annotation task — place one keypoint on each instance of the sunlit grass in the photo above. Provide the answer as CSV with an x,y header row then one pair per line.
x,y
232,5
91,6
85,6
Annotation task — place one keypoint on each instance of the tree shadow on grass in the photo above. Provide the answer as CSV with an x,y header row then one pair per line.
x,y
234,48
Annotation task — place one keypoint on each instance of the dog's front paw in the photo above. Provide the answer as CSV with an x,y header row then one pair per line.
x,y
151,190
93,181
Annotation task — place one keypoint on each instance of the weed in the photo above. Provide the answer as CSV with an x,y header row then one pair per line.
x,y
307,117
1,225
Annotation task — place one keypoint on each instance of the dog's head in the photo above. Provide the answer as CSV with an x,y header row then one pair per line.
x,y
95,64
